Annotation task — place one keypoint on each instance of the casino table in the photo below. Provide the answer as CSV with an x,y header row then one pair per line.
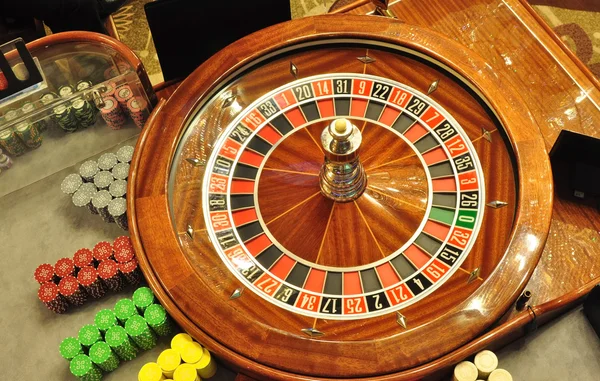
x,y
368,194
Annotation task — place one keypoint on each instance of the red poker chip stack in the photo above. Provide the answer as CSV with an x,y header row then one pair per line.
x,y
70,288
102,251
64,267
49,295
108,271
122,241
136,107
124,254
83,257
45,273
131,272
88,278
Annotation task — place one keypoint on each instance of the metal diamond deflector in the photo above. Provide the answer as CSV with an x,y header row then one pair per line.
x,y
433,86
236,293
474,275
496,204
401,319
366,59
293,70
190,231
487,135
195,161
312,332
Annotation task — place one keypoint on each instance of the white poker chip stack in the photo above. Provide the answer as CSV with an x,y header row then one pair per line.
x,y
483,367
108,178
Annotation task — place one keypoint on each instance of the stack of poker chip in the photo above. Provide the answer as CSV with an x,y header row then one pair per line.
x,y
84,196
70,288
64,267
83,368
125,154
6,162
29,134
49,294
88,170
124,310
104,357
117,208
65,118
70,347
483,367
90,281
89,335
105,319
102,251
108,270
71,184
141,334
168,361
137,108
107,161
83,258
84,112
28,108
120,171
103,180
65,91
118,188
100,201
123,94
118,340
45,273
112,113
143,298
157,318
10,142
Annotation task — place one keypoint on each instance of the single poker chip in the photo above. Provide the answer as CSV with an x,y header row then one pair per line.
x,y
102,250
131,272
120,171
118,188
83,368
103,179
105,319
71,183
124,309
125,154
88,335
70,347
107,161
103,356
83,257
143,297
64,267
44,273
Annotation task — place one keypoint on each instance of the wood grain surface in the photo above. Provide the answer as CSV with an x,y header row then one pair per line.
x,y
264,340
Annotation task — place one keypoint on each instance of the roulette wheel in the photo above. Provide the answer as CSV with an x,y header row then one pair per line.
x,y
340,197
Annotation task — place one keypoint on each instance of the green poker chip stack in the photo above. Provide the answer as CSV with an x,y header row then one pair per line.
x,y
84,112
84,369
104,357
140,333
65,118
124,309
89,335
118,340
158,320
105,319
143,297
69,348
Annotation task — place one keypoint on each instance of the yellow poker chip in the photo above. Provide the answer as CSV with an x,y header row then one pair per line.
x,y
192,352
185,372
151,372
179,340
206,367
169,360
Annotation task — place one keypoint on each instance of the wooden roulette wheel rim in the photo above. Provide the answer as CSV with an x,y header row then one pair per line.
x,y
244,332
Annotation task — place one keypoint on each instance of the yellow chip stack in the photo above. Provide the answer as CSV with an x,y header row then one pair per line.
x,y
185,372
193,354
